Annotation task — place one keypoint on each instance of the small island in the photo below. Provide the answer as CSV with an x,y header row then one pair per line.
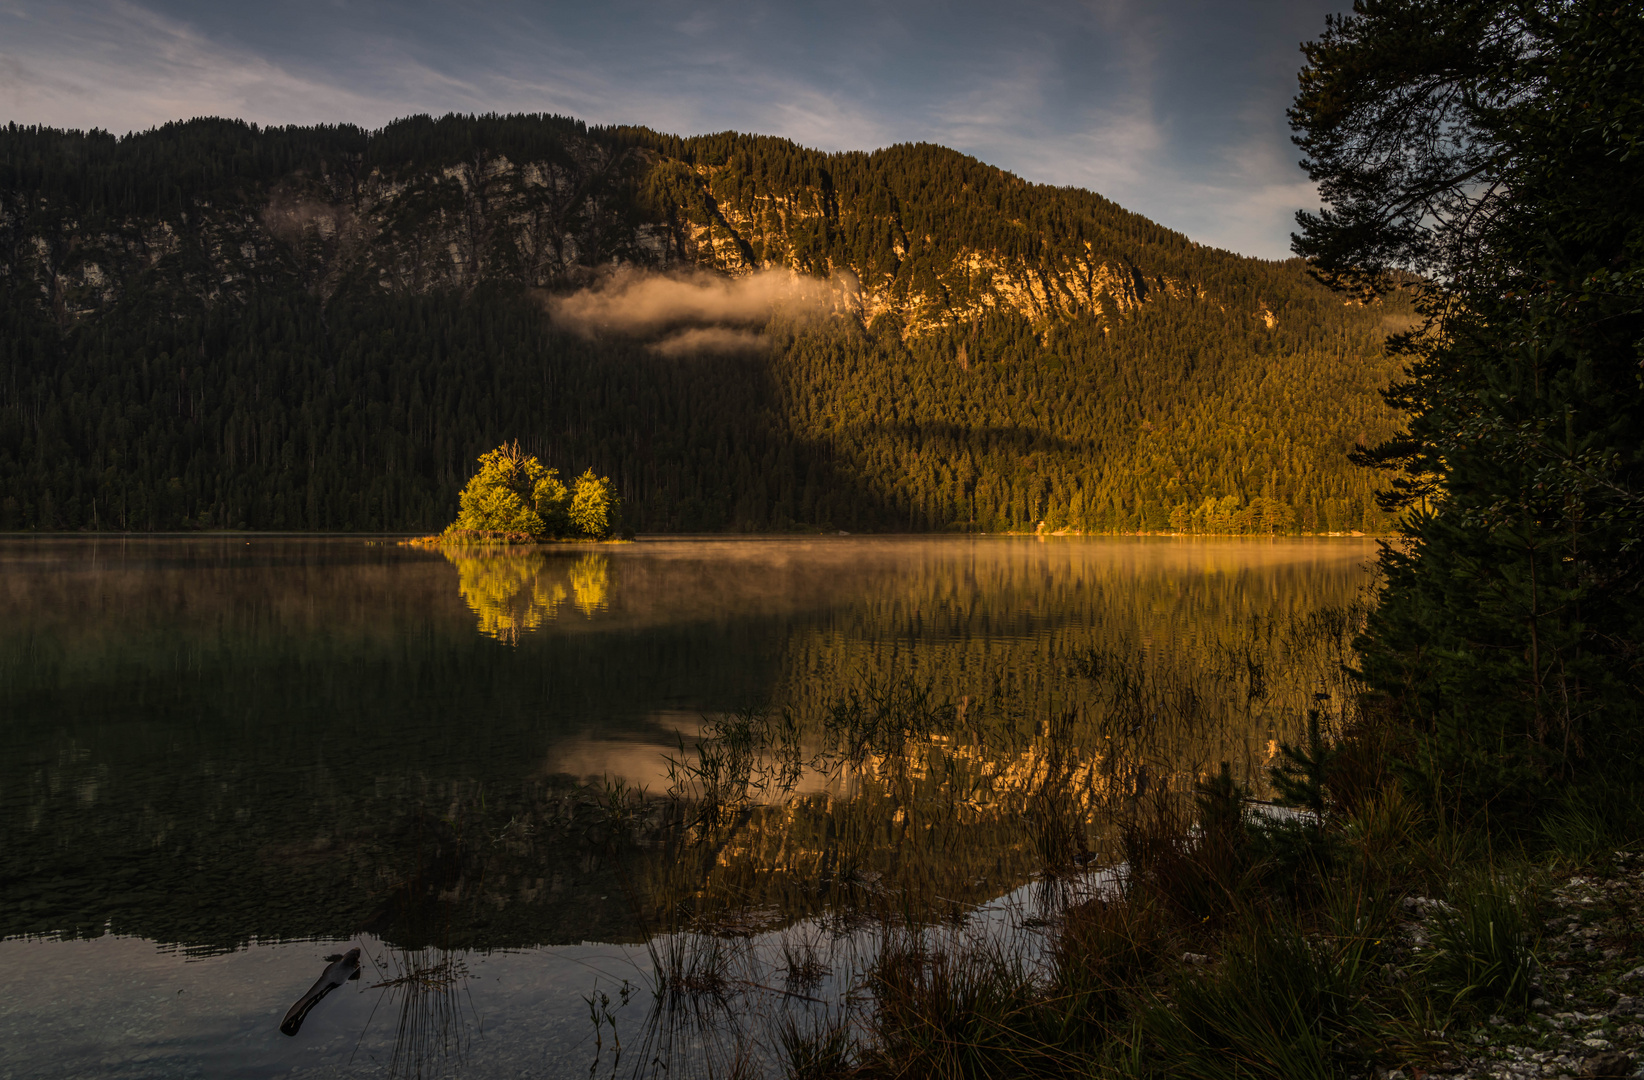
x,y
515,499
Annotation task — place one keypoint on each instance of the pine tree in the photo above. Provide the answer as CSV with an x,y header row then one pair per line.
x,y
1509,626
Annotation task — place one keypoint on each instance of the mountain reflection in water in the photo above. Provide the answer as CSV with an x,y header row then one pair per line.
x,y
216,743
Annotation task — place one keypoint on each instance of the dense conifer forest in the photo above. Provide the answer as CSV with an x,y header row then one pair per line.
x,y
212,325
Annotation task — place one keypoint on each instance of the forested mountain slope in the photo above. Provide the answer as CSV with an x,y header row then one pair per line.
x,y
214,325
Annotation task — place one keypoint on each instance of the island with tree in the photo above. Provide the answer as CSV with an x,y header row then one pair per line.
x,y
515,499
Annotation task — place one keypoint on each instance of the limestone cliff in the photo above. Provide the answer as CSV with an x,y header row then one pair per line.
x,y
556,219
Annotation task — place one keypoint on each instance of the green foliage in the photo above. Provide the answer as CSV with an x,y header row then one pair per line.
x,y
1299,849
1484,943
1228,515
512,493
1508,633
298,399
1593,821
593,506
1295,854
515,495
1278,1006
1220,802
1300,775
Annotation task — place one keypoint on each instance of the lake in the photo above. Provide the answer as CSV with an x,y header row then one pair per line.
x,y
550,792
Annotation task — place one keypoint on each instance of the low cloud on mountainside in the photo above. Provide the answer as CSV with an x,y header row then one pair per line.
x,y
697,312
709,339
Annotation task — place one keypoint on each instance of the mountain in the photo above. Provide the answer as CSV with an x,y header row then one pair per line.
x,y
215,325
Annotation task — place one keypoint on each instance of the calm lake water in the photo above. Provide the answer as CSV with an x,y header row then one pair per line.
x,y
521,781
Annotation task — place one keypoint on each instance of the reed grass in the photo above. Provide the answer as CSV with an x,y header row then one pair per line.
x,y
1484,941
1590,823
427,989
815,1052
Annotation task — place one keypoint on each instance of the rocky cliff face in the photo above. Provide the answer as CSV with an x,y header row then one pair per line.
x,y
764,230
408,230
553,222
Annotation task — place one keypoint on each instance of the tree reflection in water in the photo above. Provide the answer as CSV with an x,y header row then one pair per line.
x,y
814,866
514,592
857,737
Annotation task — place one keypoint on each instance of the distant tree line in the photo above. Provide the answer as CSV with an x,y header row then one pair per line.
x,y
1227,401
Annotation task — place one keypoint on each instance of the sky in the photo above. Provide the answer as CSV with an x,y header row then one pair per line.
x,y
1171,108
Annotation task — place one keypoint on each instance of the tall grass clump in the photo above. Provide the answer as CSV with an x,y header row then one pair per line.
x,y
1105,955
952,1013
1590,822
1484,943
820,1051
1278,1005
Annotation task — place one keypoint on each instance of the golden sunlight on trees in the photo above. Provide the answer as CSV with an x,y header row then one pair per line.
x,y
515,499
592,506
1228,515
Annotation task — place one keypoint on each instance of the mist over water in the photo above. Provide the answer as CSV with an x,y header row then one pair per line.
x,y
225,755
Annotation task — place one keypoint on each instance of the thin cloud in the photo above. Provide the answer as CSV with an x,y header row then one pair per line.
x,y
640,304
699,313
69,68
710,339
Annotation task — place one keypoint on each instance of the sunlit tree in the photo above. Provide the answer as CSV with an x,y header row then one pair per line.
x,y
513,493
593,506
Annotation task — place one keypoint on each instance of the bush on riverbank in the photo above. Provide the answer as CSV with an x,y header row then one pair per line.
x,y
1363,935
515,499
